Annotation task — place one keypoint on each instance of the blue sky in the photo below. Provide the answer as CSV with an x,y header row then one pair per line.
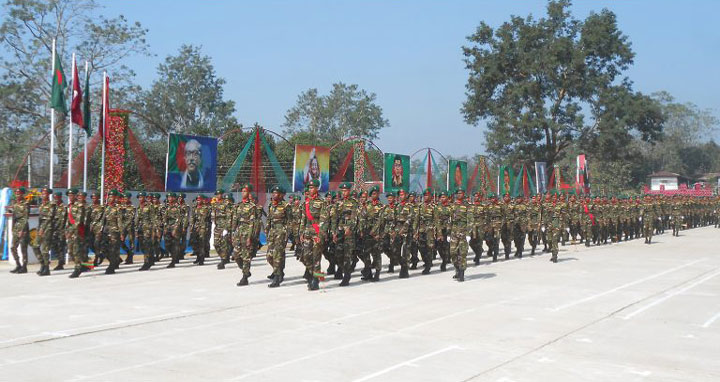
x,y
407,52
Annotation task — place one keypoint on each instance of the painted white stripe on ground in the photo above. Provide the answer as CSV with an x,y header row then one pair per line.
x,y
670,295
711,320
613,290
406,363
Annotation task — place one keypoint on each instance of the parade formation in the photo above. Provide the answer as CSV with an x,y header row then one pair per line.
x,y
349,229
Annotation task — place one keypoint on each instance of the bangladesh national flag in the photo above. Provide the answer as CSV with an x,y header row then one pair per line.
x,y
59,84
176,153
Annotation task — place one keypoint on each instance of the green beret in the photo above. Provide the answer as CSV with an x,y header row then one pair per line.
x,y
21,190
246,185
278,188
219,191
127,195
460,189
82,193
228,196
375,188
71,191
443,193
428,191
412,193
345,186
58,194
48,190
389,194
314,183
183,195
171,194
491,195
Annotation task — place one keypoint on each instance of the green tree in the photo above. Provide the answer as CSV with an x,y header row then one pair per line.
x,y
543,84
347,111
26,33
187,97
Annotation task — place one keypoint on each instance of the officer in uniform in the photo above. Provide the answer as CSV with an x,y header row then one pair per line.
x,y
172,229
201,227
520,211
389,233
222,208
314,226
128,217
403,229
461,225
556,219
506,233
648,213
278,228
244,221
43,239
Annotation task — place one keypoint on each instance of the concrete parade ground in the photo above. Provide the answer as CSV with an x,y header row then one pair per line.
x,y
617,312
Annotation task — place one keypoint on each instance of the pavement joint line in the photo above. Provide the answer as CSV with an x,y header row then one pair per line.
x,y
601,294
410,362
667,296
711,320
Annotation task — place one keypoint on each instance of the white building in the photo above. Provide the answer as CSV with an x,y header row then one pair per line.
x,y
665,180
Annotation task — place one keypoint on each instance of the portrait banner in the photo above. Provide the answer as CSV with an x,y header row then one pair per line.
x,y
506,179
311,162
457,175
541,177
191,163
396,172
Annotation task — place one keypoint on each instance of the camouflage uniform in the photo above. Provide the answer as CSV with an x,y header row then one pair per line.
x,y
493,228
145,221
44,234
278,227
244,223
372,226
403,229
75,234
59,247
424,230
461,225
20,232
222,217
112,228
314,225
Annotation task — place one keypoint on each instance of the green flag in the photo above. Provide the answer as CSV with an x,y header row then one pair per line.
x,y
59,84
86,106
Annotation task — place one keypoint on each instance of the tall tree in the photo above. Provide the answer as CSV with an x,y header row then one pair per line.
x,y
347,111
26,33
187,97
543,83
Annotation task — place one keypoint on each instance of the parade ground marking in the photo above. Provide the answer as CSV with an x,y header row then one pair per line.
x,y
407,363
711,320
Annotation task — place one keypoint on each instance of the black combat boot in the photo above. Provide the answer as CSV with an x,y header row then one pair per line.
x,y
391,268
129,259
243,281
314,284
476,260
76,273
461,275
45,270
426,269
404,272
366,273
443,266
307,276
59,267
376,276
172,264
346,279
110,270
201,260
221,264
331,268
414,262
276,282
23,268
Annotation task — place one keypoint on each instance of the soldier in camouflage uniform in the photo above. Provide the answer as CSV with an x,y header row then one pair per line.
x,y
172,222
145,221
676,215
95,223
389,234
648,213
314,225
222,208
112,230
44,236
362,239
75,232
443,211
506,233
587,220
59,247
478,231
372,226
461,225
493,228
20,230
128,217
522,221
343,227
243,224
556,219
413,246
534,211
278,227
403,229
424,231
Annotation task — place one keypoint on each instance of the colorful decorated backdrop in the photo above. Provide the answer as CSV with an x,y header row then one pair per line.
x,y
457,175
396,173
311,162
191,163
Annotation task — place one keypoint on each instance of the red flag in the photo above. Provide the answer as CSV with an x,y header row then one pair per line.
x,y
76,114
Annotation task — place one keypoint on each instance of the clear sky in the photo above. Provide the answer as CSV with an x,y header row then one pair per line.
x,y
408,52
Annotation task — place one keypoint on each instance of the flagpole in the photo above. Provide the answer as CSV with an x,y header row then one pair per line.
x,y
87,123
52,124
102,164
70,126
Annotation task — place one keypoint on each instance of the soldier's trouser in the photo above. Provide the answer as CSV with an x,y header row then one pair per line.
x,y
519,239
220,243
75,250
648,230
405,255
360,252
459,250
21,242
330,252
277,241
243,251
587,232
312,254
554,237
146,245
171,245
533,239
344,249
413,245
373,249
112,249
127,245
506,236
426,246
492,239
476,244
59,248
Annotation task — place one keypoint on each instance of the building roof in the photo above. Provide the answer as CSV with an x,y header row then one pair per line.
x,y
664,174
709,176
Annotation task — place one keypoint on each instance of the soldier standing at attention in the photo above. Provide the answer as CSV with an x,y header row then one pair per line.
x,y
343,228
461,224
278,227
20,230
555,225
244,220
314,226
648,213
424,229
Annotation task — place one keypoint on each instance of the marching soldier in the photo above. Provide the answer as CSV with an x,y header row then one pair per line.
x,y
343,227
314,226
443,212
95,223
556,217
59,247
461,225
534,210
244,221
172,222
373,228
222,207
424,230
403,229
112,231
128,217
201,227
389,234
506,233
20,230
145,222
75,232
478,231
43,240
278,228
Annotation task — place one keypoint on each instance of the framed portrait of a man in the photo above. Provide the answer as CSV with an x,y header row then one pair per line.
x,y
396,172
191,163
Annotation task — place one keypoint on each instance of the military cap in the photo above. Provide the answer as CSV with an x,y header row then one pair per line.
x,y
21,190
443,193
459,189
388,194
228,196
219,191
83,194
47,189
171,194
278,188
412,193
314,183
71,191
127,194
491,195
58,194
182,195
345,186
375,188
246,185
428,191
